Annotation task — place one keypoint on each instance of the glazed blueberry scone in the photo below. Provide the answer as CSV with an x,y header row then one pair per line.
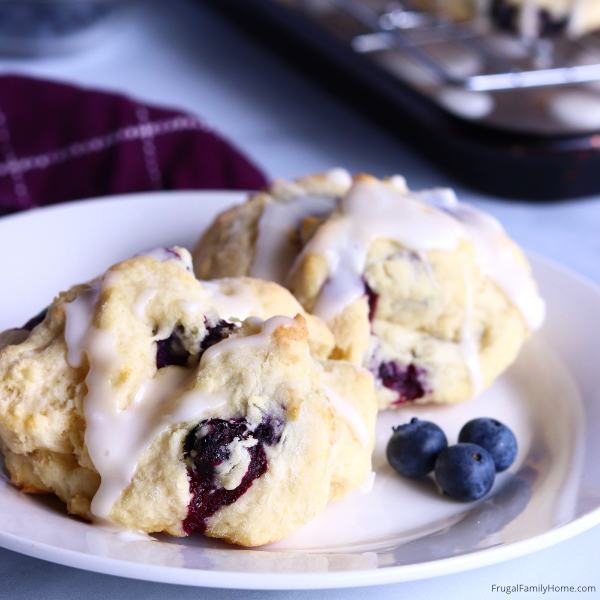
x,y
530,18
427,293
546,17
261,238
157,402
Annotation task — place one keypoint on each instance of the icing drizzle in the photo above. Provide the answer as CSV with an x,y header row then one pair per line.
x,y
275,248
116,438
422,221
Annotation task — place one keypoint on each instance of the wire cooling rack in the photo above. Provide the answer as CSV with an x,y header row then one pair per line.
x,y
471,68
512,115
542,62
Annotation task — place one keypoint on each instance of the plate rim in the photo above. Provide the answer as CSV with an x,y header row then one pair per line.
x,y
227,579
299,581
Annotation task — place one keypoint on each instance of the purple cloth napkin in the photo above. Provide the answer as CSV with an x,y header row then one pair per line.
x,y
59,142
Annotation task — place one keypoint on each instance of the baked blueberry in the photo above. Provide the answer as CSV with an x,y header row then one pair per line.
x,y
414,446
207,446
495,437
35,321
465,471
270,430
216,333
246,441
391,300
407,381
372,298
171,350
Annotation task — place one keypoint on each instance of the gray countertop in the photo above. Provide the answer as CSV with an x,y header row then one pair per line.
x,y
181,54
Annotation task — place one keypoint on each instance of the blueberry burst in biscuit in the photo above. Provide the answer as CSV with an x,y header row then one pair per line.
x,y
158,402
426,292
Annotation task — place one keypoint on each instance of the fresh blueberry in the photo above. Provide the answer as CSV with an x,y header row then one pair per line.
x,y
414,446
495,437
465,471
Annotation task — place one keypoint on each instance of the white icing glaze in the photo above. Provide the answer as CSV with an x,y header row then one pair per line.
x,y
494,255
345,266
275,249
348,413
380,211
233,342
339,176
469,346
139,308
369,211
189,308
372,210
398,182
117,437
234,299
78,319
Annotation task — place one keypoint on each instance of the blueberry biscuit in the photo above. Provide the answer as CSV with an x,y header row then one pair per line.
x,y
157,402
427,293
546,17
530,18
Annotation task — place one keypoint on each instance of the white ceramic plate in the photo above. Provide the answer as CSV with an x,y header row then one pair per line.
x,y
400,530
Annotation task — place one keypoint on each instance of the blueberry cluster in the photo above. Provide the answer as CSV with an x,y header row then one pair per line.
x,y
206,446
407,381
464,471
172,350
